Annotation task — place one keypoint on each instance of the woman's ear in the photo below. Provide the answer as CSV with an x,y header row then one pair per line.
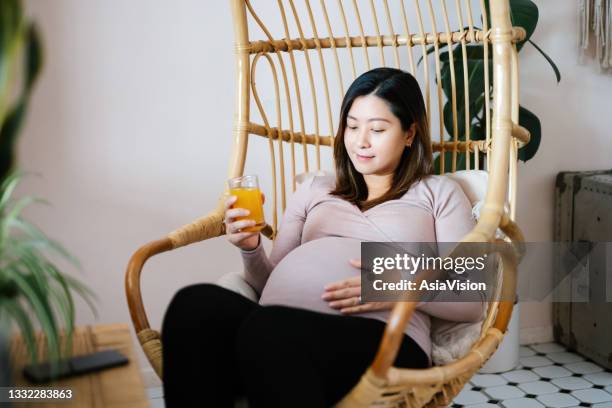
x,y
410,134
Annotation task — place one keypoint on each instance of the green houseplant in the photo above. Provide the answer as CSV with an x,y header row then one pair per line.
x,y
524,13
33,291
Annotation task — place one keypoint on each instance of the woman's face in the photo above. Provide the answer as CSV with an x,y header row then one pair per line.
x,y
373,137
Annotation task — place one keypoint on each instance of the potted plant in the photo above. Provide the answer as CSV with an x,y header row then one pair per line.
x,y
524,13
33,291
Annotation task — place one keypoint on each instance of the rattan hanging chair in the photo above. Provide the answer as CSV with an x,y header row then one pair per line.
x,y
314,69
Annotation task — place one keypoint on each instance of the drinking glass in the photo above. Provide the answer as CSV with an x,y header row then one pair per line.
x,y
246,189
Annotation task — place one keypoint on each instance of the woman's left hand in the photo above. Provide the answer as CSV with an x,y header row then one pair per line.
x,y
346,295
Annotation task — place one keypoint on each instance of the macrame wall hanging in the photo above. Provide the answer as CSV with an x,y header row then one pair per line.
x,y
595,36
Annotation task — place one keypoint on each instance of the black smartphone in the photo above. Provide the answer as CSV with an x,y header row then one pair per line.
x,y
42,373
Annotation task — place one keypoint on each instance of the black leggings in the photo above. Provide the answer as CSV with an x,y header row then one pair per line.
x,y
219,345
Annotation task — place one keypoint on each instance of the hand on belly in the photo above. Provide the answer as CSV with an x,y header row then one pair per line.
x,y
345,294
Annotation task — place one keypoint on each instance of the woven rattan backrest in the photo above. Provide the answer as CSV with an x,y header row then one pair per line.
x,y
296,58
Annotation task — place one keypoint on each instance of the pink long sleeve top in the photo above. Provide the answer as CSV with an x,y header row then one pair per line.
x,y
319,233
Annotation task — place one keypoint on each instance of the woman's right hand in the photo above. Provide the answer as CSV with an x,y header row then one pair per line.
x,y
244,240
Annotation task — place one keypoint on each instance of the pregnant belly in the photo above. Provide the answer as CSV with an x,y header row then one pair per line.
x,y
299,278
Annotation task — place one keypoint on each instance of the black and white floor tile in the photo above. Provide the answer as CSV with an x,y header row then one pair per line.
x,y
548,376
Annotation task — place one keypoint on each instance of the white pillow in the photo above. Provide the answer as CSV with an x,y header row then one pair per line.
x,y
473,182
302,177
451,340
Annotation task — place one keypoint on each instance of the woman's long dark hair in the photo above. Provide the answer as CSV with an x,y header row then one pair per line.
x,y
401,92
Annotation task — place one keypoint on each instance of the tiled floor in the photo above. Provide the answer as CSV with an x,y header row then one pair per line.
x,y
548,376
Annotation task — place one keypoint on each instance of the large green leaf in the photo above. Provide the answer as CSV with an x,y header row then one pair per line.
x,y
524,13
9,130
33,58
476,84
479,105
478,132
530,122
550,61
448,119
472,52
476,87
10,19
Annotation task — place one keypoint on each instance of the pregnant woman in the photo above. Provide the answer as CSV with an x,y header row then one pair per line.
x,y
309,339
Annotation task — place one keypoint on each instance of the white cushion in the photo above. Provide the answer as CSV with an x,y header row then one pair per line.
x,y
473,183
302,177
236,282
451,340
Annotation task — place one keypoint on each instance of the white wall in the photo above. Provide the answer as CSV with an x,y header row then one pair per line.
x,y
130,126
576,130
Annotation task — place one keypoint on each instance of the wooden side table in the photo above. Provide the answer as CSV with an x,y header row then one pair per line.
x,y
118,387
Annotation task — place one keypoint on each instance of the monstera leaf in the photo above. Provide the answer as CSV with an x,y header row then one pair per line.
x,y
524,13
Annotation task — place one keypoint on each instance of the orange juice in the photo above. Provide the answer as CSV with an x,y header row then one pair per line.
x,y
250,199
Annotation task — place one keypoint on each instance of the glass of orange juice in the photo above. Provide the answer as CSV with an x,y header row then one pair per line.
x,y
246,189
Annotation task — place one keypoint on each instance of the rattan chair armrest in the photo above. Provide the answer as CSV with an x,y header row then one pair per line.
x,y
394,331
206,227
